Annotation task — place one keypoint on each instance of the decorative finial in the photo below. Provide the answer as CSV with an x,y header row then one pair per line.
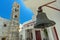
x,y
40,9
16,4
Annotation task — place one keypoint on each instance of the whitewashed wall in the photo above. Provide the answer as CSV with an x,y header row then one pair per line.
x,y
4,30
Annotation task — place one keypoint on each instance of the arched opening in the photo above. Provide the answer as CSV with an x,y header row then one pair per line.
x,y
3,38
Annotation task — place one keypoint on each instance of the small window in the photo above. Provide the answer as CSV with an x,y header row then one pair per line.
x,y
16,10
16,16
5,25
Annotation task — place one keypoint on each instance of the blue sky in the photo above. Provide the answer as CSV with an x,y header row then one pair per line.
x,y
6,6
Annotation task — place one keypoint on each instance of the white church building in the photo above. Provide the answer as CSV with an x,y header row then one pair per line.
x,y
4,28
9,29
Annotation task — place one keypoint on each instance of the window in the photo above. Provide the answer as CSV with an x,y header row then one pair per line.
x,y
5,25
16,16
16,10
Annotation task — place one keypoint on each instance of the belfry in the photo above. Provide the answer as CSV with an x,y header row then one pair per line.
x,y
14,24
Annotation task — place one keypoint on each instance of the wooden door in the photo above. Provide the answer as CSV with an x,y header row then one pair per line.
x,y
38,34
3,39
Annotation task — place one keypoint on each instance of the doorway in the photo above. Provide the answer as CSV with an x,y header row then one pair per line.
x,y
3,38
38,35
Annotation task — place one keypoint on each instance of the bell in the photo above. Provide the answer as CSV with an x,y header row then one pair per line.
x,y
42,21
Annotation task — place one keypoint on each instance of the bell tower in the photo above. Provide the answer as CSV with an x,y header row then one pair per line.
x,y
14,29
15,14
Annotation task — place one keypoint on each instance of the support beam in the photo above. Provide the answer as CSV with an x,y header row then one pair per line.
x,y
53,8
